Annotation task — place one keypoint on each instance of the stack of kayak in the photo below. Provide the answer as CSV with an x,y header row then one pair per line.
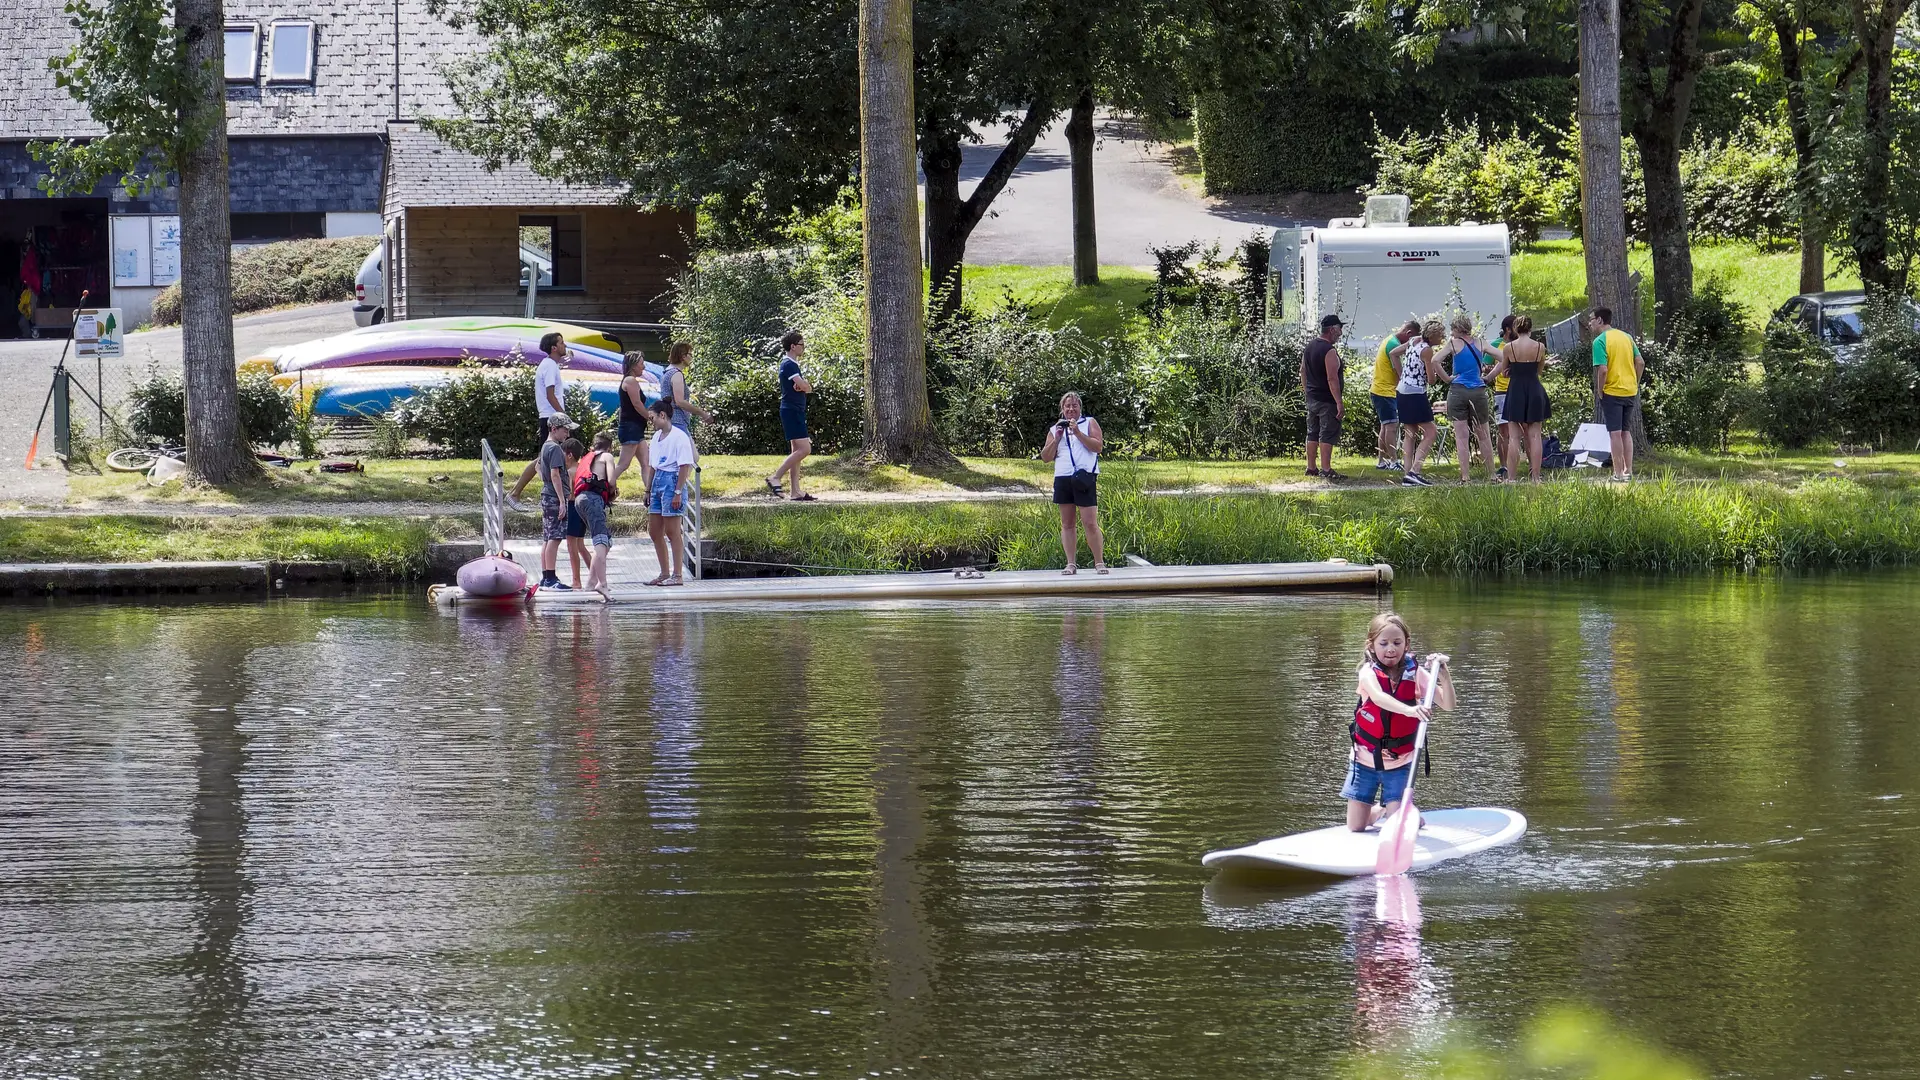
x,y
364,372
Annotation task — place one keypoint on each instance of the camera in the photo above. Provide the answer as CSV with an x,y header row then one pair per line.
x,y
1064,424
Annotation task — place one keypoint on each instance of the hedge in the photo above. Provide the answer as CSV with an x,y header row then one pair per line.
x,y
289,272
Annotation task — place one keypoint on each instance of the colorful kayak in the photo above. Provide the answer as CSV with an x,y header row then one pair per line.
x,y
1341,852
431,347
517,326
371,391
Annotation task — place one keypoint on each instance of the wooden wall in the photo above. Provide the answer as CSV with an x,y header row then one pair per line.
x,y
464,260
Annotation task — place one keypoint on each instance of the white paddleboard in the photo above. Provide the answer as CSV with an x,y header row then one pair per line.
x,y
1341,852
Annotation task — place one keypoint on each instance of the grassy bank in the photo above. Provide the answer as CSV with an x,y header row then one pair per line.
x,y
1109,309
289,272
1665,526
395,547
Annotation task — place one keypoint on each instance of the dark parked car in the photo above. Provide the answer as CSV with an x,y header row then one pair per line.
x,y
1835,319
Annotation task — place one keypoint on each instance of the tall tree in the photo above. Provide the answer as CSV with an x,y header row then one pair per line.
x,y
1086,242
1603,211
1875,25
150,72
1815,80
1663,34
899,419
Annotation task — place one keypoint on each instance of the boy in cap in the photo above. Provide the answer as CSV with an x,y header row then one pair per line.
x,y
556,496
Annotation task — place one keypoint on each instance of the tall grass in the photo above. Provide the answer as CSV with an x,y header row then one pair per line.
x,y
1574,526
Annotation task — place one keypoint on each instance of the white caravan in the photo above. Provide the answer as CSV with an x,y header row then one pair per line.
x,y
1377,276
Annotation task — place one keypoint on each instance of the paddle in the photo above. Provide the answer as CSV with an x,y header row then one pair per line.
x,y
1397,832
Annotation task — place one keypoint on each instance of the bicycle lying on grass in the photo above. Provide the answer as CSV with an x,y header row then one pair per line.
x,y
139,459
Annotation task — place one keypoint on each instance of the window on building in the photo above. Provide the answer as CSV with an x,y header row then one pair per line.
x,y
290,53
266,228
551,242
242,49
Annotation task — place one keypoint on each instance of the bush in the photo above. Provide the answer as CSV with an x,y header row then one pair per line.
x,y
1877,392
1460,175
1696,383
491,403
1741,188
997,381
745,394
1796,388
290,272
157,409
1214,388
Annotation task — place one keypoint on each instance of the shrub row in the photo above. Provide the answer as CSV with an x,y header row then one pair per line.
x,y
289,272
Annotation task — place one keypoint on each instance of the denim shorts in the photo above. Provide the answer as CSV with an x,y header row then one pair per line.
x,y
633,432
1364,782
593,512
1386,409
666,483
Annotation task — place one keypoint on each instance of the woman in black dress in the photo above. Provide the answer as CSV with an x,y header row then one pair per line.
x,y
1527,406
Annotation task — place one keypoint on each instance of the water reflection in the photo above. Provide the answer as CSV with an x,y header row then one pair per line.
x,y
939,840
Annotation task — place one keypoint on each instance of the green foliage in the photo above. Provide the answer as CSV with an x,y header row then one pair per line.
x,y
494,404
1217,389
1877,390
289,272
1565,1043
1740,187
1796,387
744,392
1697,387
1458,174
997,381
389,546
1303,136
157,408
130,68
1562,526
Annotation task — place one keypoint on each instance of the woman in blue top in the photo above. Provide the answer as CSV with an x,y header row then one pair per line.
x,y
794,389
1466,362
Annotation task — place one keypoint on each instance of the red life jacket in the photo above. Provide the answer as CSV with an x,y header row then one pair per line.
x,y
1385,732
585,480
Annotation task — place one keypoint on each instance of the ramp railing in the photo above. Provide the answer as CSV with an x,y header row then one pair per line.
x,y
493,500
691,527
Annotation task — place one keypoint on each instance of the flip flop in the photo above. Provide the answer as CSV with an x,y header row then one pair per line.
x,y
805,498
670,582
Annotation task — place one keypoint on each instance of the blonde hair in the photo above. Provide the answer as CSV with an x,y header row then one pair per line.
x,y
1433,331
1462,324
1381,622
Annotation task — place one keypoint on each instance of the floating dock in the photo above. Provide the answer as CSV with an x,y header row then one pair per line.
x,y
1124,580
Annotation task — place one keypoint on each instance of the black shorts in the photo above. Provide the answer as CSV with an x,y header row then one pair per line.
x,y
1617,412
1080,489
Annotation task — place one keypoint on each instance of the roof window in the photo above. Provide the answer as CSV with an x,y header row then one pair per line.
x,y
242,52
290,52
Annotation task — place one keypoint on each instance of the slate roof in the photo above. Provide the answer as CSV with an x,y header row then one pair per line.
x,y
423,171
353,91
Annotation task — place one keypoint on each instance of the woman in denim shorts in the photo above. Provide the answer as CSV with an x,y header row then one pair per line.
x,y
669,466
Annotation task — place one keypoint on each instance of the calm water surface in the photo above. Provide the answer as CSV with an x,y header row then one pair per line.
x,y
358,838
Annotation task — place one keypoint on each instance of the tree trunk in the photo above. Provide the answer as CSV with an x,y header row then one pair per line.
x,y
1667,230
950,220
1806,167
217,449
1659,120
1603,211
899,420
1086,251
1875,24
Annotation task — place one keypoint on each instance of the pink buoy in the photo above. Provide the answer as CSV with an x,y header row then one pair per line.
x,y
491,575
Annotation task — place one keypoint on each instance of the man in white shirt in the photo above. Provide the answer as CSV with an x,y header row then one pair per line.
x,y
549,396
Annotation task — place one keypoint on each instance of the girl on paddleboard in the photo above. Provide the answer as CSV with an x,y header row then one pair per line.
x,y
1385,720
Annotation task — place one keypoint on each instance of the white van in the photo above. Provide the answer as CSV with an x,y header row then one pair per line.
x,y
369,289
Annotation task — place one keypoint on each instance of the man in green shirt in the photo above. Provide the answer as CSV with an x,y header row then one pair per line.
x,y
1617,368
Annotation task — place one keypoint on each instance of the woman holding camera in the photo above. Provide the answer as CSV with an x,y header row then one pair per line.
x,y
1073,445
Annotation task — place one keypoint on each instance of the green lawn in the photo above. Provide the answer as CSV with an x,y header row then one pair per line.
x,y
1109,309
1550,279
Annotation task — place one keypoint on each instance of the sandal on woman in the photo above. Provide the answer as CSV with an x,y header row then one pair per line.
x,y
1070,571
1099,568
771,486
672,581
656,581
804,498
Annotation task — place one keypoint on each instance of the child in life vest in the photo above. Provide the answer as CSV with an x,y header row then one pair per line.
x,y
1386,719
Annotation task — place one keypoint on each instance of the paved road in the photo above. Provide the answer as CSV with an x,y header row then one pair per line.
x,y
1138,202
27,367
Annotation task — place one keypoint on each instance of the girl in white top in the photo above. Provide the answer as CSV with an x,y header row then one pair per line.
x,y
1074,445
669,465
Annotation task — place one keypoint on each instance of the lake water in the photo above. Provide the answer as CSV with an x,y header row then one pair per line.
x,y
361,838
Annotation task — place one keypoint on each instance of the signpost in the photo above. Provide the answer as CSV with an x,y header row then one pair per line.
x,y
101,334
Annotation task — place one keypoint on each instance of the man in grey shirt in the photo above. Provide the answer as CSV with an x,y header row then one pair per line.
x,y
556,493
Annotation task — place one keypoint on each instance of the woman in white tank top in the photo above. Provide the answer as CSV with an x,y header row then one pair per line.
x,y
1073,445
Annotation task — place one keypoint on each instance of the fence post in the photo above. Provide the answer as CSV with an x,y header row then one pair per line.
x,y
62,416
